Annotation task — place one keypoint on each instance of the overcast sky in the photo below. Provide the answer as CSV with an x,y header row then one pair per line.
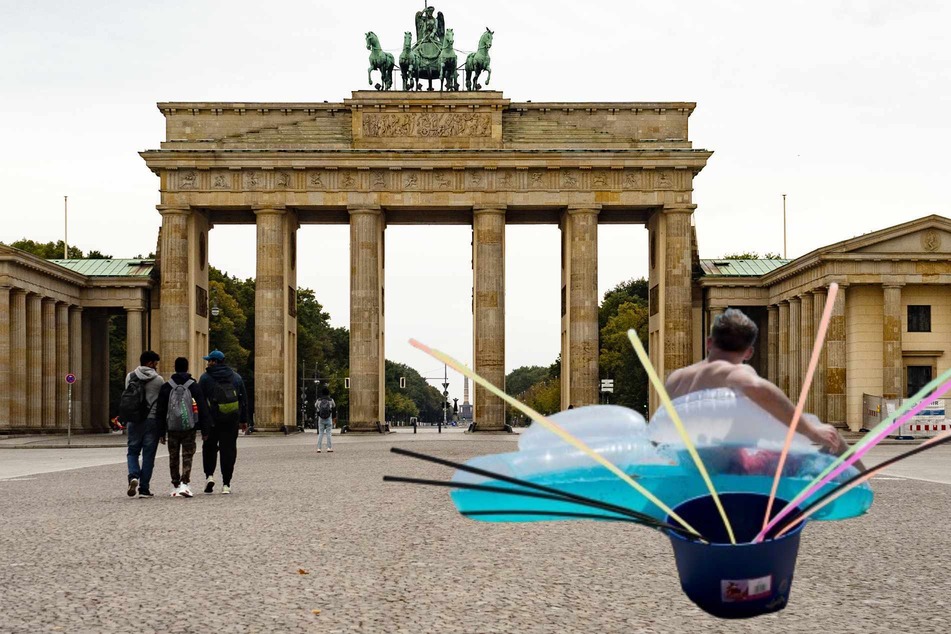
x,y
843,105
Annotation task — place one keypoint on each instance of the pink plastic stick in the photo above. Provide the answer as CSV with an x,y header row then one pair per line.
x,y
803,395
855,457
842,491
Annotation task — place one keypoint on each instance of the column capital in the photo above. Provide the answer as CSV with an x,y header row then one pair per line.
x,y
269,209
489,209
174,210
772,308
134,309
679,208
593,208
894,285
820,290
354,210
75,309
794,298
49,300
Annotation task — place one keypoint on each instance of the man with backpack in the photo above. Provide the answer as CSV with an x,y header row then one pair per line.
x,y
182,409
326,413
137,410
228,404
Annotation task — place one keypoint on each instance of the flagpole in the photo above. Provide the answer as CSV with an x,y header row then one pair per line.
x,y
65,228
784,226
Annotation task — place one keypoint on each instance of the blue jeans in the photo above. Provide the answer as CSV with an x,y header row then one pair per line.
x,y
143,438
325,426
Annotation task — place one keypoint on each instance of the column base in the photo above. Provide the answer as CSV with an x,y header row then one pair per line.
x,y
475,428
366,428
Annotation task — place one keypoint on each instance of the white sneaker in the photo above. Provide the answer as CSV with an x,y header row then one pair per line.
x,y
176,491
330,450
226,490
318,449
184,491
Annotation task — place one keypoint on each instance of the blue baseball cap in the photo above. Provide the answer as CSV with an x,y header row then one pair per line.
x,y
215,355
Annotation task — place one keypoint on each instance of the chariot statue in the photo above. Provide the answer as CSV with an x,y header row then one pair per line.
x,y
431,57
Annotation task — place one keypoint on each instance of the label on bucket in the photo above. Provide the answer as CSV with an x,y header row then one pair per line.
x,y
737,590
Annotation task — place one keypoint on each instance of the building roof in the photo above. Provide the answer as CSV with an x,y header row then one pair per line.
x,y
109,268
739,268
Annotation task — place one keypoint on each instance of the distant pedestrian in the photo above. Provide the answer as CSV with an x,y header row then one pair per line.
x,y
326,415
228,403
182,410
137,407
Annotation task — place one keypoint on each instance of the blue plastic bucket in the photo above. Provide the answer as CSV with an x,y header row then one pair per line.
x,y
735,581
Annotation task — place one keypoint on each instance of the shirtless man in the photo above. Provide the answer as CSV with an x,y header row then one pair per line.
x,y
730,344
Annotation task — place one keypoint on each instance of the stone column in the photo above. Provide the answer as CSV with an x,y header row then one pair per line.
x,y
807,339
48,408
5,387
579,355
488,313
772,343
175,286
62,364
819,383
713,311
269,309
891,348
76,363
795,343
134,345
837,362
678,279
34,362
18,359
783,366
366,298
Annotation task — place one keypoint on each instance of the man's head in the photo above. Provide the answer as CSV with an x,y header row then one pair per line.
x,y
324,391
215,357
181,365
733,332
149,359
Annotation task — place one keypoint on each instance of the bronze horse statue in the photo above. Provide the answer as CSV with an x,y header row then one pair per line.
x,y
479,61
381,61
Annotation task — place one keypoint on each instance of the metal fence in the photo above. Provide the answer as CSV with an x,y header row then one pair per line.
x,y
930,421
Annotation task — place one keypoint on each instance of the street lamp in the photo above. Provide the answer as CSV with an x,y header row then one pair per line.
x,y
215,310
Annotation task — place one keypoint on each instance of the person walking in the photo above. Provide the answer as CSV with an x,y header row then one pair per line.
x,y
326,415
228,404
182,411
137,407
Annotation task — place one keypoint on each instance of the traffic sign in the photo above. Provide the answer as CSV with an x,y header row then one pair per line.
x,y
70,378
607,385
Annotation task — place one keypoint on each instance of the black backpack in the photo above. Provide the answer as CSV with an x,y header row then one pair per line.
x,y
324,408
224,401
133,406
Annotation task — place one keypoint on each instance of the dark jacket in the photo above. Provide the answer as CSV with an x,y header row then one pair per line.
x,y
161,410
223,373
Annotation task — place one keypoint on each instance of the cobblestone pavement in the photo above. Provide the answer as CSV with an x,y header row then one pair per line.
x,y
77,555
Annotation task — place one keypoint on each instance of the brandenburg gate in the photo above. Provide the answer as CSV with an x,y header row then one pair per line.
x,y
386,158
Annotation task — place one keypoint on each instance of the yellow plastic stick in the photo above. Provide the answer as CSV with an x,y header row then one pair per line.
x,y
554,428
665,399
803,395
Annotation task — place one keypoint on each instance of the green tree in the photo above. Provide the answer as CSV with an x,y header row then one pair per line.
x,y
618,360
544,397
426,398
521,379
53,250
752,255
634,291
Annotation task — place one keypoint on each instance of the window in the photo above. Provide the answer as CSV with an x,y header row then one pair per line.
x,y
919,319
918,377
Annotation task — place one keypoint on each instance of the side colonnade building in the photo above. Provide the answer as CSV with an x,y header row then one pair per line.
x,y
54,321
890,332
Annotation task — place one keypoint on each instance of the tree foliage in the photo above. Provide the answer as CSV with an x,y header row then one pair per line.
x,y
521,379
54,250
752,255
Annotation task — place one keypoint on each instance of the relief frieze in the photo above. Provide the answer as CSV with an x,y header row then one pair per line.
x,y
450,124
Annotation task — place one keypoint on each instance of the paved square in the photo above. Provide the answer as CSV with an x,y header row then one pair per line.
x,y
77,555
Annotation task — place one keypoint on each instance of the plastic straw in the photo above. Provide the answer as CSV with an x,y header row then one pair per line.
x,y
858,479
556,429
803,395
922,404
665,399
922,393
536,490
